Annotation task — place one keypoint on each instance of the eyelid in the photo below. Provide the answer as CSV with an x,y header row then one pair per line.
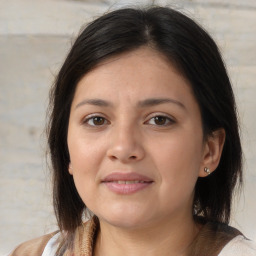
x,y
169,117
149,117
90,116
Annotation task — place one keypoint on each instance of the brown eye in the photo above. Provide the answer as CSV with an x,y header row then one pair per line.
x,y
160,120
96,121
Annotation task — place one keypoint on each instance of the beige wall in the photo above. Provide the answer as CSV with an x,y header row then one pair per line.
x,y
34,38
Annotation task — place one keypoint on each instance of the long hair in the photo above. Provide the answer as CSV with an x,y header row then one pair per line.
x,y
194,53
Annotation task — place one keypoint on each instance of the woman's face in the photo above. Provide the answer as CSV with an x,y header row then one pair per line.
x,y
135,140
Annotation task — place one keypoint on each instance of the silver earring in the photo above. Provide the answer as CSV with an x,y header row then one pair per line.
x,y
207,170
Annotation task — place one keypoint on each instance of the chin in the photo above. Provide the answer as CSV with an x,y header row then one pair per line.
x,y
123,219
125,223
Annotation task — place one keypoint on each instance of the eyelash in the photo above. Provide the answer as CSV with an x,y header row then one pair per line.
x,y
93,118
167,119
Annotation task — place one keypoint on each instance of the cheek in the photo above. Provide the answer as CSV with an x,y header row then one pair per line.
x,y
85,165
85,159
178,177
84,151
178,162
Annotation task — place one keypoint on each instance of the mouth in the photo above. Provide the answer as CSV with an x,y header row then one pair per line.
x,y
126,183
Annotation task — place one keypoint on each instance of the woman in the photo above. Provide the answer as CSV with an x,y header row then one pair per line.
x,y
143,134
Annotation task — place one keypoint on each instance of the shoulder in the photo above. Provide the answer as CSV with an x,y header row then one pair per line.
x,y
239,246
34,247
47,245
221,239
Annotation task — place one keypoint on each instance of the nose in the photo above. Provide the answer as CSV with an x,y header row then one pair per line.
x,y
125,145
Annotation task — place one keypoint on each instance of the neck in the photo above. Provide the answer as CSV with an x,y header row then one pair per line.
x,y
165,237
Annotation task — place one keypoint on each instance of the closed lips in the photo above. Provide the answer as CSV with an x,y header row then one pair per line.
x,y
129,181
126,183
127,178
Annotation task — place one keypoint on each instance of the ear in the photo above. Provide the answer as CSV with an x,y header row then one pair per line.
x,y
212,151
70,169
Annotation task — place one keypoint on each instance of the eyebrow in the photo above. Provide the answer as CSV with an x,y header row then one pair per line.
x,y
158,101
94,102
144,103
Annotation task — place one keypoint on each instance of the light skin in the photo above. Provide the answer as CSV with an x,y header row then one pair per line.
x,y
135,113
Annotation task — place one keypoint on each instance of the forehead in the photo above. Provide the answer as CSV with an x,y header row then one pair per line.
x,y
142,70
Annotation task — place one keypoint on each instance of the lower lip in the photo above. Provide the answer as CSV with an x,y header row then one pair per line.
x,y
126,189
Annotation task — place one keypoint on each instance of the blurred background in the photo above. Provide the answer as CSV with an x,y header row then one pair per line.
x,y
34,39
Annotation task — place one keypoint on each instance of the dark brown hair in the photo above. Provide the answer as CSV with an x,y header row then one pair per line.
x,y
195,54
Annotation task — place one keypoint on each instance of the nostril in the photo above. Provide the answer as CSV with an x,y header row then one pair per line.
x,y
125,153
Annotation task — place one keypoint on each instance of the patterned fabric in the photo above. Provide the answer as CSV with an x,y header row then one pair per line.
x,y
83,243
224,241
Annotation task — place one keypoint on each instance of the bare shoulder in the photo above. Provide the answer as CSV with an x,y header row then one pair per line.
x,y
239,246
34,247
